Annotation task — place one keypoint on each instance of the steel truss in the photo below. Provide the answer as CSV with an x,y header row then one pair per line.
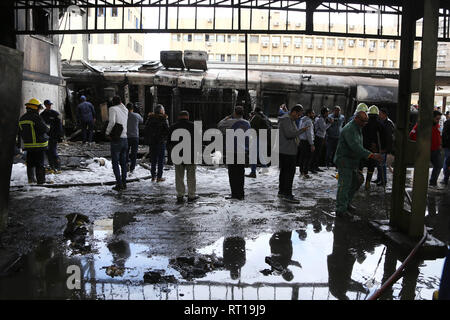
x,y
238,24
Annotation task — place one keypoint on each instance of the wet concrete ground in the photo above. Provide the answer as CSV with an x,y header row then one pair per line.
x,y
140,244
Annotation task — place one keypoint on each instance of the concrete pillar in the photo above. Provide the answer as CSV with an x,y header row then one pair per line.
x,y
11,64
428,80
402,123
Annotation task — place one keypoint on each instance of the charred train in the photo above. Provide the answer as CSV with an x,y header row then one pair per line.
x,y
211,95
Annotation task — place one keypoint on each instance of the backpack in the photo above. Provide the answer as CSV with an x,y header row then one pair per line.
x,y
116,131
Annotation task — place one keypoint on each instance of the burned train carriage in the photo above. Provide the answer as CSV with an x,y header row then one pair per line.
x,y
211,95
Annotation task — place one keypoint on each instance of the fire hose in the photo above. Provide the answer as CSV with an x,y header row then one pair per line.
x,y
398,273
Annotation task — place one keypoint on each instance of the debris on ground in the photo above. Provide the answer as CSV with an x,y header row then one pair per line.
x,y
76,231
158,276
114,271
196,267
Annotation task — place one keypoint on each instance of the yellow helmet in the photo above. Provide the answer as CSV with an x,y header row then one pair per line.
x,y
362,107
374,110
33,104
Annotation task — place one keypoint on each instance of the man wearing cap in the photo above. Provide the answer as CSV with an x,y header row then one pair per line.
x,y
33,132
86,119
349,152
52,119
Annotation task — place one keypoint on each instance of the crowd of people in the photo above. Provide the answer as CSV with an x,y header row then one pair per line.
x,y
305,140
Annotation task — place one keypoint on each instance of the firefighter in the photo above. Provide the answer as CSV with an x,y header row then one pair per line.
x,y
33,132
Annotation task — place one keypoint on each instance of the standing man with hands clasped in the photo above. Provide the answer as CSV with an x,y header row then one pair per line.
x,y
349,153
288,142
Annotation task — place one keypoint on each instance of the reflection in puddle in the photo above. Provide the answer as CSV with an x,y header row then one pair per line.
x,y
318,262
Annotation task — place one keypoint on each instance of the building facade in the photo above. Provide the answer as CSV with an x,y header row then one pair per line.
x,y
103,46
293,49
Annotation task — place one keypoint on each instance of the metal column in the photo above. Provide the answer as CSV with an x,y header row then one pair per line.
x,y
427,84
398,216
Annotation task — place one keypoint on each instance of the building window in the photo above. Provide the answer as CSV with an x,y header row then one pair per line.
x,y
372,44
308,60
130,42
231,38
198,37
242,38
275,59
74,38
187,38
360,62
129,14
298,42
210,57
309,43
362,43
392,44
220,38
330,43
254,39
100,39
100,12
382,44
319,60
330,61
351,42
253,58
114,12
319,43
265,59
241,58
89,38
381,63
341,43
371,63
174,37
339,61
297,60
350,62
209,37
137,22
286,41
392,64
115,38
286,59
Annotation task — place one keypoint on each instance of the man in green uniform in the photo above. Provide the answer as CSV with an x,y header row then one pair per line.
x,y
349,152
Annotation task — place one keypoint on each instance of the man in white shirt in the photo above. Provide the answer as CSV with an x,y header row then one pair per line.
x,y
118,114
306,143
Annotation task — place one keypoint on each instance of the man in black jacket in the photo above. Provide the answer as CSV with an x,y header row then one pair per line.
x,y
187,163
33,132
446,147
156,132
389,127
52,119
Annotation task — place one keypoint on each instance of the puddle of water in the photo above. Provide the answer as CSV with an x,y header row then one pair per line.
x,y
315,263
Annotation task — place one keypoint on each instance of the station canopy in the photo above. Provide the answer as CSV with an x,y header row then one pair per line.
x,y
163,16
